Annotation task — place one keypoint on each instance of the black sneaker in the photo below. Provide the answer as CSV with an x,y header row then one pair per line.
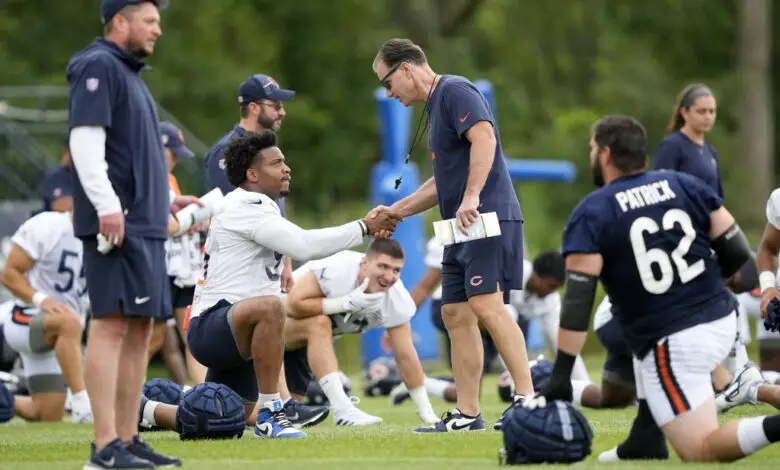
x,y
304,416
115,455
143,450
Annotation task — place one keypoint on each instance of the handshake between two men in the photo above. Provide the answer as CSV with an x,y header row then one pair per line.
x,y
381,221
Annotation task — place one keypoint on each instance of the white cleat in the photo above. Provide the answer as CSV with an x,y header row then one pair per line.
x,y
355,417
742,390
609,455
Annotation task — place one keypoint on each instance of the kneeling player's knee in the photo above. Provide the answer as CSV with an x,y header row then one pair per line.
x,y
70,327
320,326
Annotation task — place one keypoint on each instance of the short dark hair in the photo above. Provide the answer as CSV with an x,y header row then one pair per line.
x,y
687,98
395,51
552,265
626,139
386,246
242,153
243,109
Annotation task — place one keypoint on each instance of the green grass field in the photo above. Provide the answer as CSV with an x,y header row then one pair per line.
x,y
391,445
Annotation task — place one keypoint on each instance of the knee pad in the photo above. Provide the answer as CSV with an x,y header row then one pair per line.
x,y
210,411
163,390
556,433
7,410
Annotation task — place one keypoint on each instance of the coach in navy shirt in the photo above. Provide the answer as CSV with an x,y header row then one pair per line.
x,y
56,188
470,177
261,104
685,149
121,193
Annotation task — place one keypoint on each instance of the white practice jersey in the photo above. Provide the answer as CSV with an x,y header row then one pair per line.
x,y
434,255
337,275
48,239
184,260
246,246
531,306
773,209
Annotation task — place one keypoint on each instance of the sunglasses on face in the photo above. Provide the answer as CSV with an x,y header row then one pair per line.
x,y
276,106
392,70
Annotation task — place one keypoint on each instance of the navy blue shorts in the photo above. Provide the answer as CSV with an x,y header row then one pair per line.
x,y
619,363
212,343
484,266
130,279
181,297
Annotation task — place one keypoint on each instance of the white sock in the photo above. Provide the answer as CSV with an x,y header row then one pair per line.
x,y
751,436
148,412
266,398
420,399
578,388
80,398
436,387
334,390
184,388
770,376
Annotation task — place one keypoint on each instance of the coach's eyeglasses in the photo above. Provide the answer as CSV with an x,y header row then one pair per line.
x,y
392,70
277,106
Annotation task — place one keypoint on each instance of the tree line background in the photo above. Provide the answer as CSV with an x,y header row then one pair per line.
x,y
556,65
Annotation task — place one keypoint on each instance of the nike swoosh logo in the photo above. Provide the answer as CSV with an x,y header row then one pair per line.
x,y
463,119
142,300
109,463
456,427
293,417
264,428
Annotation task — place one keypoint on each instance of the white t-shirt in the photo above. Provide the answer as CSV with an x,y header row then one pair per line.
x,y
337,275
246,246
48,239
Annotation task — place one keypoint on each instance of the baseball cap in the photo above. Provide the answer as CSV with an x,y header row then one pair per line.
x,y
109,8
262,87
173,139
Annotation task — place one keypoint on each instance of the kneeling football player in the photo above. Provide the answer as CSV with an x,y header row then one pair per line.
x,y
350,292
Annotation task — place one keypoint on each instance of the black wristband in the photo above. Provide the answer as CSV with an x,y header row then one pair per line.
x,y
363,227
564,363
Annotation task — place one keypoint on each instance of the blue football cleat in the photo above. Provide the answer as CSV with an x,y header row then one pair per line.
x,y
115,455
454,421
272,423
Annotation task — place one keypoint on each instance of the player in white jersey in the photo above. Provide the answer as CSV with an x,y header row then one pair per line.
x,y
766,256
44,271
768,341
350,292
236,322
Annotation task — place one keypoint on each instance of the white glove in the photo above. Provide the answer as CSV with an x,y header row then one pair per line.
x,y
357,301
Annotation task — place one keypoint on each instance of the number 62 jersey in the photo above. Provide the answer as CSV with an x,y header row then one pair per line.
x,y
653,233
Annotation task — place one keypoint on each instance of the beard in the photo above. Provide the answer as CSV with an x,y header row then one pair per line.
x,y
597,174
266,122
138,50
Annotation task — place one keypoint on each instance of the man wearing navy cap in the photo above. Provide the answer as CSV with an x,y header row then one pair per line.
x,y
56,187
120,194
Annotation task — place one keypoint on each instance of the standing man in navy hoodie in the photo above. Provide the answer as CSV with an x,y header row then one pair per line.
x,y
120,193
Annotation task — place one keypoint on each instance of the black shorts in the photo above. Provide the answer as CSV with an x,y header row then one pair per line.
x,y
481,266
297,370
181,297
212,343
130,279
619,362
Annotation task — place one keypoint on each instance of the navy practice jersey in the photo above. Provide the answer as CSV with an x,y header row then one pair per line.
x,y
653,233
56,184
678,152
215,165
107,91
455,106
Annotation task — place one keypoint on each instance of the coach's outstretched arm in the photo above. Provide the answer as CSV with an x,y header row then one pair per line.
x,y
285,237
419,201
